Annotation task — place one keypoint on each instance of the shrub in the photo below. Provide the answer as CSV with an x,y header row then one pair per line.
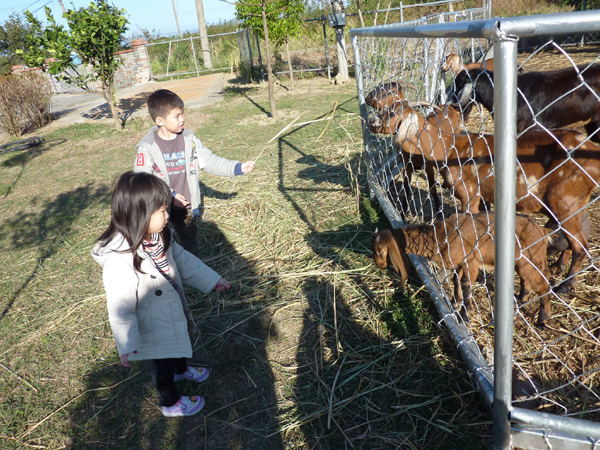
x,y
24,102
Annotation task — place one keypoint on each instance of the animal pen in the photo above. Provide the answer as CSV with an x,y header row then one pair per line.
x,y
539,379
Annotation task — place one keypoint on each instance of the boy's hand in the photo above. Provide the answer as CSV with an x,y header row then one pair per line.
x,y
125,360
222,285
180,201
247,167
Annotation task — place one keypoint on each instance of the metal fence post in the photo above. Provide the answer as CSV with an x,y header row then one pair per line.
x,y
250,52
194,54
358,73
323,19
505,152
169,57
262,72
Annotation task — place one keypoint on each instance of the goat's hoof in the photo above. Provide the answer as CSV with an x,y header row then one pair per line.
x,y
556,269
565,287
542,319
464,313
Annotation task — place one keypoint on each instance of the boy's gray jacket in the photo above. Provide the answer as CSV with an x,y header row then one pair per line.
x,y
146,312
197,157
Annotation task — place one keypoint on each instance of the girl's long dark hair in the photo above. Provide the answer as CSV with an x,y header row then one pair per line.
x,y
135,197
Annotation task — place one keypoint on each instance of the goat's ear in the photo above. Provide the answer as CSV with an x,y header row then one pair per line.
x,y
398,260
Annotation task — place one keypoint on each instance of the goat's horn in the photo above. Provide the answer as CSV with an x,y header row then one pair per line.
x,y
407,85
412,103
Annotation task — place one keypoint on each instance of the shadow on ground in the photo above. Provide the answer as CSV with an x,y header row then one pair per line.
x,y
127,107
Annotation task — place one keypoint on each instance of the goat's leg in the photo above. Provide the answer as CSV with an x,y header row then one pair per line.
x,y
559,242
462,293
403,201
433,191
469,276
579,245
534,276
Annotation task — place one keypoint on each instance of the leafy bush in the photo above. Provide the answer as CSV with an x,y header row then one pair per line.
x,y
24,102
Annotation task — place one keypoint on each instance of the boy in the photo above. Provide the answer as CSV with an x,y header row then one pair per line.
x,y
176,155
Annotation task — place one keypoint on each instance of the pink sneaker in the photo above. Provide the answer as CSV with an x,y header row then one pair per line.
x,y
198,375
185,406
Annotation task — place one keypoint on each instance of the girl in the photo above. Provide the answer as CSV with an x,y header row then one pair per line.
x,y
143,271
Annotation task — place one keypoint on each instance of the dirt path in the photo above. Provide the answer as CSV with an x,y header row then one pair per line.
x,y
77,108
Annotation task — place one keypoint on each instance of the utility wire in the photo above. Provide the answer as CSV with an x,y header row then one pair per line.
x,y
47,3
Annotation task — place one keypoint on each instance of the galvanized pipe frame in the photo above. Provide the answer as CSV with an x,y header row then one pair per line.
x,y
539,430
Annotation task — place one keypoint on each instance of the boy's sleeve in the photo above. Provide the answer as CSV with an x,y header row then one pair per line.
x,y
192,270
143,160
213,164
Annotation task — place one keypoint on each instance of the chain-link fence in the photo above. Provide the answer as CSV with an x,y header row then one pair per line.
x,y
443,168
314,49
187,56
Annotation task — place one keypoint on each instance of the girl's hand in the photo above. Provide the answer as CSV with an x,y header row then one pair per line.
x,y
125,360
247,167
222,285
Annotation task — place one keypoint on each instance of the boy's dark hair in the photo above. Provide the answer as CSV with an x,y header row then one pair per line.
x,y
135,197
162,102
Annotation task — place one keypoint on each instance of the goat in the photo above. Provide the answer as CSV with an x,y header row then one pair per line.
x,y
447,118
454,64
465,243
556,173
551,99
386,94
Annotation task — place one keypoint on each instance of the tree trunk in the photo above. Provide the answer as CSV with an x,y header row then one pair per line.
x,y
360,16
287,47
269,67
342,57
376,12
203,35
108,92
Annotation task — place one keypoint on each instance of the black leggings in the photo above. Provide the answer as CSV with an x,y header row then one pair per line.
x,y
186,233
163,376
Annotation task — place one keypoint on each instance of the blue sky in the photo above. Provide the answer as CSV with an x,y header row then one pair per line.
x,y
148,14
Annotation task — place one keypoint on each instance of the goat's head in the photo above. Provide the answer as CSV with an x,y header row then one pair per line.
x,y
386,94
386,251
452,64
400,119
465,84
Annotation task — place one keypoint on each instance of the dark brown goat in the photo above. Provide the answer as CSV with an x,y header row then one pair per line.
x,y
556,173
465,243
552,99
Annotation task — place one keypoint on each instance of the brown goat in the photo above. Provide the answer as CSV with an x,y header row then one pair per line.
x,y
454,64
386,94
446,117
556,173
465,243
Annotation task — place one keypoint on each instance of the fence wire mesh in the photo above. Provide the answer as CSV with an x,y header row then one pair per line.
x,y
431,163
187,56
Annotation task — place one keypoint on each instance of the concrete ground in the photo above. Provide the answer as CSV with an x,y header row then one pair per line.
x,y
83,107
